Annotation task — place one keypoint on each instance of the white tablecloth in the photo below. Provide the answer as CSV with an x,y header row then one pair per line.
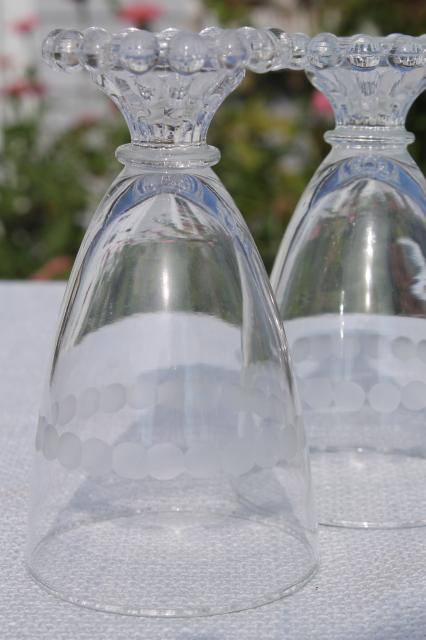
x,y
371,585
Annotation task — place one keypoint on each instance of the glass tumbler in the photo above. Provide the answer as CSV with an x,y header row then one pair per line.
x,y
350,282
171,472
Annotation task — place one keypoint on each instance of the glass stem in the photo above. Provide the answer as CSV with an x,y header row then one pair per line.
x,y
167,156
369,137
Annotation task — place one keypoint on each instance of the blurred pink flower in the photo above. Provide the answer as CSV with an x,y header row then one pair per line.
x,y
315,231
25,25
53,268
24,86
320,104
86,121
140,14
6,61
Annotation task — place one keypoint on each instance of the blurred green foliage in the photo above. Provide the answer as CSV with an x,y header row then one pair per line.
x,y
46,188
267,156
269,134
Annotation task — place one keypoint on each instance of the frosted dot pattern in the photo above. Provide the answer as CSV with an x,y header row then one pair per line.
x,y
113,398
253,410
69,451
384,397
421,350
88,403
264,437
317,393
165,461
238,456
403,348
348,396
413,396
351,363
96,457
66,410
130,460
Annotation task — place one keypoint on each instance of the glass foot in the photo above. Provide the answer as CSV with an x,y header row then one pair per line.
x,y
369,489
173,564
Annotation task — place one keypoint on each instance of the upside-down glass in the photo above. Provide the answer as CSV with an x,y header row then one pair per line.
x,y
350,281
171,473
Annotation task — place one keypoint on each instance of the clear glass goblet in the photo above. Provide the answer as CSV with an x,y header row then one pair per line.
x,y
350,282
171,472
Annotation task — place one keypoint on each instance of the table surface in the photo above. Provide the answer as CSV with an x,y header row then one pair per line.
x,y
371,584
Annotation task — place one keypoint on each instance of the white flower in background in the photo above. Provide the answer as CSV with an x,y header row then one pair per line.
x,y
416,258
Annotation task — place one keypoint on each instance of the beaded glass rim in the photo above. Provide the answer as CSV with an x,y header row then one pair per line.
x,y
361,52
260,50
137,51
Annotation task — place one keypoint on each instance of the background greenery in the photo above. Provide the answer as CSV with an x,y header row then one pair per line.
x,y
269,132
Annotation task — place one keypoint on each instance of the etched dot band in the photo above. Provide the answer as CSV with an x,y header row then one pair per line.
x,y
166,460
383,395
267,436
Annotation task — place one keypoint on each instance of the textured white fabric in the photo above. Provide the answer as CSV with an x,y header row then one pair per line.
x,y
371,586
